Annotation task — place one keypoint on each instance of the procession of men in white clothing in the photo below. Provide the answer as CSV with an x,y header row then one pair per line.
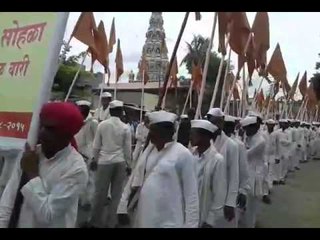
x,y
218,178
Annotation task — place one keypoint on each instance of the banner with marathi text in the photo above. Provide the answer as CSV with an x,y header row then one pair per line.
x,y
25,42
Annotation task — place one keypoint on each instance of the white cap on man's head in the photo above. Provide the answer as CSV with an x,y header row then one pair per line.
x,y
248,121
216,112
184,116
229,118
115,104
271,121
204,124
106,95
83,103
161,116
283,120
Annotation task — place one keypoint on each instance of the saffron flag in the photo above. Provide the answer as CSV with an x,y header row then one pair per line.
x,y
303,84
112,38
119,62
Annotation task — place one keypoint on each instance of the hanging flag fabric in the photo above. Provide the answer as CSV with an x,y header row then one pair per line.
x,y
293,88
112,38
119,62
303,84
261,31
83,30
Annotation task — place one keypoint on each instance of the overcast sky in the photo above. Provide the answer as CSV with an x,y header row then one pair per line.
x,y
297,33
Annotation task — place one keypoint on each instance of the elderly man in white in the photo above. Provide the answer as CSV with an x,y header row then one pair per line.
x,y
255,144
103,113
211,172
111,155
230,152
162,191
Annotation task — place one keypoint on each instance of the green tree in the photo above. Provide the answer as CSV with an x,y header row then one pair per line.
x,y
197,53
67,70
316,80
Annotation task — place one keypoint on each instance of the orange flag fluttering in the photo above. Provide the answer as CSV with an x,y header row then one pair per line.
x,y
303,85
143,69
239,32
311,95
260,99
293,88
196,76
224,19
112,38
173,74
119,62
260,28
100,53
277,68
83,30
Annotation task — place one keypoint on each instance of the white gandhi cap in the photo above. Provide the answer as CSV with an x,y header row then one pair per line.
x,y
248,121
161,116
106,95
216,112
229,118
115,104
271,121
204,124
83,103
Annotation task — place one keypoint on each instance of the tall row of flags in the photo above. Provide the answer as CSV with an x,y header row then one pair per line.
x,y
250,43
96,39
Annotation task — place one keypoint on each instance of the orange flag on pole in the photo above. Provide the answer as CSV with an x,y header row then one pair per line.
x,y
143,69
235,93
198,16
303,85
119,62
293,88
239,32
196,76
260,28
112,38
224,19
83,30
173,73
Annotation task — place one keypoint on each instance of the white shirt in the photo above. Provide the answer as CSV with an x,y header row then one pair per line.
x,y
212,184
100,114
229,150
169,195
50,200
85,137
112,143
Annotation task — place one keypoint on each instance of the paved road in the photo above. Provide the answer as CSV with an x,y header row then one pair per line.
x,y
296,204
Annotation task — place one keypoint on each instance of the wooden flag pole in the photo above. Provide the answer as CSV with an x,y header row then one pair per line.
x,y
188,96
75,77
244,92
174,53
300,109
115,90
225,80
142,96
226,107
206,65
216,86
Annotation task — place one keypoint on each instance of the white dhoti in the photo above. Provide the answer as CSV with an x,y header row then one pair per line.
x,y
247,218
284,167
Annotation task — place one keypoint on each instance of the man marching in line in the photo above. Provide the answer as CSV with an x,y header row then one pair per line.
x,y
84,139
103,112
162,190
111,155
244,184
211,172
230,152
255,144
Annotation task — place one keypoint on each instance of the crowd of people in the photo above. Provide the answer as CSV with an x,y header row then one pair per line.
x,y
167,171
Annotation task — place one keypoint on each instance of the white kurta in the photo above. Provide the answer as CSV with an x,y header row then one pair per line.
x,y
141,136
101,114
212,184
229,150
283,148
169,195
50,200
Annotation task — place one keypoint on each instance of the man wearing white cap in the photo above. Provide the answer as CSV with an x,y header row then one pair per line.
x,y
283,147
162,190
255,144
244,184
230,152
84,139
211,172
299,137
316,144
103,113
112,152
270,138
